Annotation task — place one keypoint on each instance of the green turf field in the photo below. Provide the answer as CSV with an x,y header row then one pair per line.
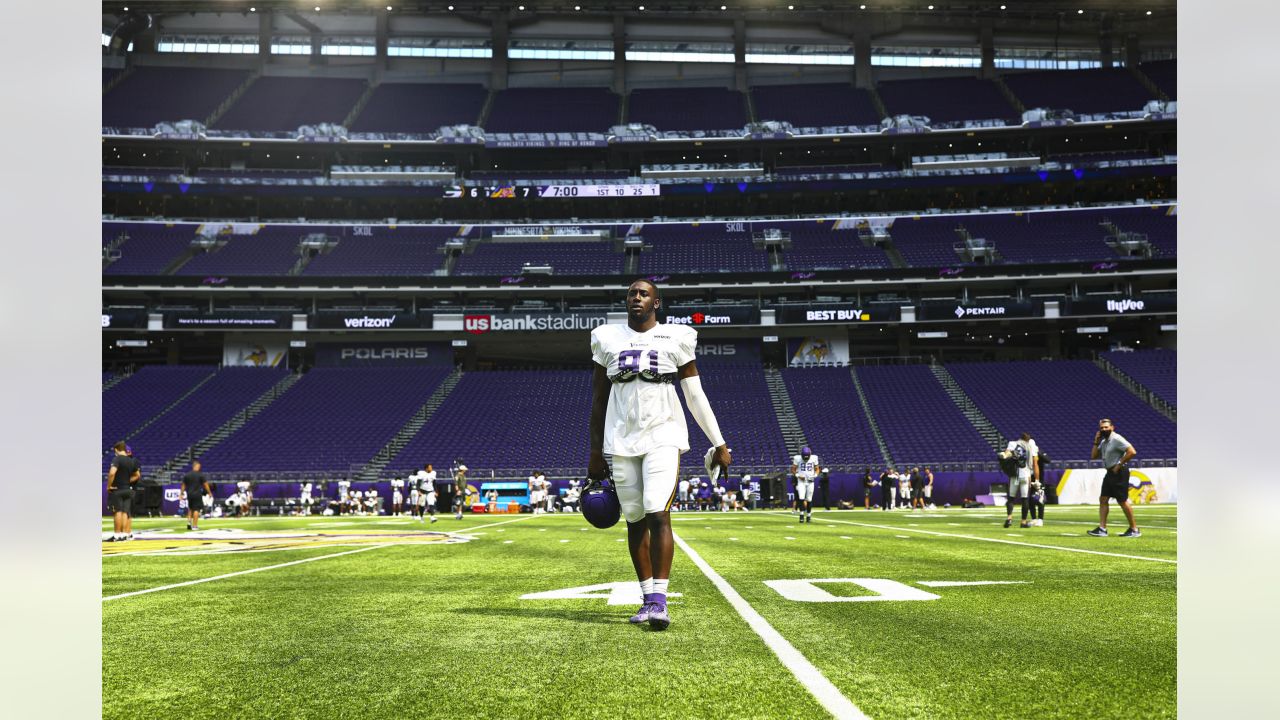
x,y
381,621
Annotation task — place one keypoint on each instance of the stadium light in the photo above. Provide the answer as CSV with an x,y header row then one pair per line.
x,y
642,8
253,9
930,7
577,7
1148,12
791,7
317,8
862,7
1002,7
1079,12
724,7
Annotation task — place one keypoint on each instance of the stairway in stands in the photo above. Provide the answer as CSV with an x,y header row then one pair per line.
x,y
785,411
1137,388
871,419
374,467
117,379
190,391
971,411
229,427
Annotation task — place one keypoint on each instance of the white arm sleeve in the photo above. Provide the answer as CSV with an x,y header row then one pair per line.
x,y
700,409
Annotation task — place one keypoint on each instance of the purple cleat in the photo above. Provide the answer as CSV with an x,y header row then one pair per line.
x,y
642,615
658,618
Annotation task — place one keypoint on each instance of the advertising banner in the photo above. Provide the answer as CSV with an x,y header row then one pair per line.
x,y
712,316
228,320
365,320
255,351
837,313
1146,486
981,310
124,318
387,353
1150,303
818,350
720,352
478,324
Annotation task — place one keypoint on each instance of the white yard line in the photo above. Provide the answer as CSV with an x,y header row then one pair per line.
x,y
1005,542
804,671
241,572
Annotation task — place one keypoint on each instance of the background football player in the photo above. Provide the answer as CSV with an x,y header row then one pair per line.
x,y
637,421
805,468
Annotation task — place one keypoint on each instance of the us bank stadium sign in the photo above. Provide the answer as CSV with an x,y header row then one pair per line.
x,y
508,322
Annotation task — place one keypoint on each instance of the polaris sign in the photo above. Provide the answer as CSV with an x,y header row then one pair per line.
x,y
383,353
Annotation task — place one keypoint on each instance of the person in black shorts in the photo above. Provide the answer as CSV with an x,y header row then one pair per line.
x,y
887,482
195,487
868,482
121,479
917,489
1115,452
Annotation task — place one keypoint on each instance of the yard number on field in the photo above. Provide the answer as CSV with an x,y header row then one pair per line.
x,y
807,590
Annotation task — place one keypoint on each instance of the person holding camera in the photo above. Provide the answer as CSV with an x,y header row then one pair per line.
x,y
1020,457
1115,453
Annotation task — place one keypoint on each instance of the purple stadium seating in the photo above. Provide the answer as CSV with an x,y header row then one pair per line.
x,y
816,245
1084,91
231,390
150,247
141,397
507,419
158,94
273,250
566,258
553,110
509,175
699,247
420,108
816,105
1159,223
688,108
946,100
1059,403
389,250
1156,370
109,74
286,103
331,420
927,241
916,417
1164,73
1067,236
827,407
740,397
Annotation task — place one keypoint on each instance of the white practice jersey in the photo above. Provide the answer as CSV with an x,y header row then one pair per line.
x,y
806,469
426,481
396,483
1029,451
643,415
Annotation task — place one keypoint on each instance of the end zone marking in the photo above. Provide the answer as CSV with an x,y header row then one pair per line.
x,y
241,572
809,676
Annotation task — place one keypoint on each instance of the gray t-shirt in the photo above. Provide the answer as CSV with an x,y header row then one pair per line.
x,y
1112,449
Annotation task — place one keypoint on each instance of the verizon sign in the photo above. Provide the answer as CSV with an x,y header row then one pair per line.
x,y
480,324
366,320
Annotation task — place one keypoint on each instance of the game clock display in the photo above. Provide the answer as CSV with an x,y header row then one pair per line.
x,y
554,191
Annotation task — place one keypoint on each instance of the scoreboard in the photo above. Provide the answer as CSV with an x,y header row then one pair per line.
x,y
554,191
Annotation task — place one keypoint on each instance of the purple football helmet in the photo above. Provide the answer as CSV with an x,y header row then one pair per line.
x,y
600,504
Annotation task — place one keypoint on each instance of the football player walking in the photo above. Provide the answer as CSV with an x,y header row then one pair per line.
x,y
637,421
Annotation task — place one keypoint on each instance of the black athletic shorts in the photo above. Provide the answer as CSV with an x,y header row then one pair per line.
x,y
1115,484
120,501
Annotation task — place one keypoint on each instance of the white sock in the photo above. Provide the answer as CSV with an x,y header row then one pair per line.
x,y
646,586
660,587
